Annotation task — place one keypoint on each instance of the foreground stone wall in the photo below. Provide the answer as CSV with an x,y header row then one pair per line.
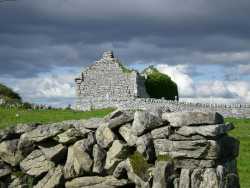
x,y
125,149
227,110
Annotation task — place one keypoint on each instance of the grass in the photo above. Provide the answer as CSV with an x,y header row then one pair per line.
x,y
14,116
140,165
242,132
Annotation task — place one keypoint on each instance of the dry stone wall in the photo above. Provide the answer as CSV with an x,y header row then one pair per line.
x,y
127,148
227,110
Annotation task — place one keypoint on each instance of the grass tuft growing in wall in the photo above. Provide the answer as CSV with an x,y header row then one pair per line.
x,y
140,165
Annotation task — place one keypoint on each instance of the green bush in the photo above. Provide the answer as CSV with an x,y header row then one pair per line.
x,y
160,85
8,93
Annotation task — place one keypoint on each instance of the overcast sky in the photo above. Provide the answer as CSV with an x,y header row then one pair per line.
x,y
204,45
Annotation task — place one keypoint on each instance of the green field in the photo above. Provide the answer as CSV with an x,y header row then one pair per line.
x,y
10,117
242,132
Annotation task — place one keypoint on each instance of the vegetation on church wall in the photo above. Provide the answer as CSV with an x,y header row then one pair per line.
x,y
159,85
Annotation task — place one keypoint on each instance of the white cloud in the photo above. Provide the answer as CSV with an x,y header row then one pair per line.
x,y
215,91
179,75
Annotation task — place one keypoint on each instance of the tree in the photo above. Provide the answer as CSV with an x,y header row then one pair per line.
x,y
159,85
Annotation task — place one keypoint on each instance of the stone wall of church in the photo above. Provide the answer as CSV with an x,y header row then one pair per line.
x,y
108,79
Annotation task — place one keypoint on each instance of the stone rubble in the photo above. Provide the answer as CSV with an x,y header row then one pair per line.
x,y
141,149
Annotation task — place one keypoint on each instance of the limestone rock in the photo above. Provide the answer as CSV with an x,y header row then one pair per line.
x,y
119,117
96,181
125,167
193,163
185,180
177,137
99,156
145,121
104,136
196,177
161,173
4,169
44,132
36,164
209,179
162,132
9,152
145,146
78,160
92,124
14,132
207,131
117,152
126,133
179,119
206,149
54,178
53,152
71,135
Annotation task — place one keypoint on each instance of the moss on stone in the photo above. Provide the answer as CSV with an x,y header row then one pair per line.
x,y
140,165
164,158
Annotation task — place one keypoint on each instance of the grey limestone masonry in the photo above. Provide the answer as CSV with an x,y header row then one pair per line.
x,y
107,83
133,149
108,79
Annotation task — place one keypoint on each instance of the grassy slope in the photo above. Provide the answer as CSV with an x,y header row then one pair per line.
x,y
8,116
242,132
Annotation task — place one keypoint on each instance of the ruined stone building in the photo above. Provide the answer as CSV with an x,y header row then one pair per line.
x,y
107,83
109,80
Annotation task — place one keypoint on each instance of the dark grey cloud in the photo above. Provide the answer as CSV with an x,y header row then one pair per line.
x,y
36,36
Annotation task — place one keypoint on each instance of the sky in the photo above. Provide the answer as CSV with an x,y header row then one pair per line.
x,y
203,45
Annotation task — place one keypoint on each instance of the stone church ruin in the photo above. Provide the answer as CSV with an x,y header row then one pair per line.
x,y
109,84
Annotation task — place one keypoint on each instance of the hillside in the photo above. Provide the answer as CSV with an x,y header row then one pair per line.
x,y
8,95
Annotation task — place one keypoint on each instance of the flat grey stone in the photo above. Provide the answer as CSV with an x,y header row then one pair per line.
x,y
4,169
145,121
71,135
36,164
209,179
162,132
196,177
126,168
54,178
9,152
177,137
126,133
145,146
44,132
161,173
92,123
193,163
99,156
104,136
205,149
179,119
206,130
53,152
119,117
78,161
116,153
185,180
96,181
